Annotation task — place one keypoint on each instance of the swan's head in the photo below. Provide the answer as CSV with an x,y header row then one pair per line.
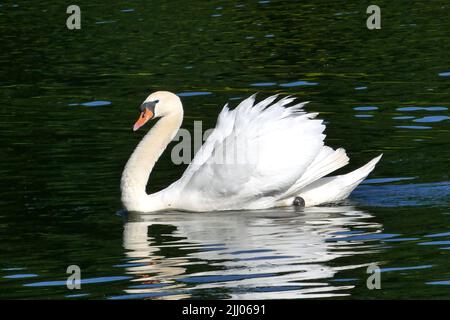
x,y
158,104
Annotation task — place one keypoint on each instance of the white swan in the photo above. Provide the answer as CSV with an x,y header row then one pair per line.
x,y
259,156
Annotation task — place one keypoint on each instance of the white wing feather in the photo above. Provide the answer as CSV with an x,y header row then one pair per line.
x,y
254,156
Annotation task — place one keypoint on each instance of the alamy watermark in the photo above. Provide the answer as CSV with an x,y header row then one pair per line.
x,y
374,20
74,280
235,149
374,280
73,22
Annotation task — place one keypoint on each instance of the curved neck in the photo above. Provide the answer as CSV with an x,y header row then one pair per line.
x,y
140,165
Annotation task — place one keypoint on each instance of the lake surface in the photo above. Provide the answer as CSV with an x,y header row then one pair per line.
x,y
69,99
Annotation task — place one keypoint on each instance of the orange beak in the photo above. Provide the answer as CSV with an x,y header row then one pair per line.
x,y
143,118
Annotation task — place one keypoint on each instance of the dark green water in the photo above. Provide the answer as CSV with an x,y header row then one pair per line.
x,y
68,100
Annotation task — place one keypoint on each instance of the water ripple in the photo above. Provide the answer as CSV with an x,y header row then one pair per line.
x,y
434,243
263,84
82,281
436,235
405,268
98,103
365,108
21,276
193,93
420,194
298,84
414,127
441,283
422,108
432,119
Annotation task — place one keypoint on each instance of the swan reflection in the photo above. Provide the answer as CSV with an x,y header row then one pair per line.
x,y
279,253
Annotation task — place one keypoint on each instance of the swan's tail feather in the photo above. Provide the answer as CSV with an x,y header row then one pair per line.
x,y
336,188
327,161
357,176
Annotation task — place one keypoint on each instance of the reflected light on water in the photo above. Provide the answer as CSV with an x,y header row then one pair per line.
x,y
253,255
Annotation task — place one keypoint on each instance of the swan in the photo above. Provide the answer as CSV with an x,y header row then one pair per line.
x,y
259,156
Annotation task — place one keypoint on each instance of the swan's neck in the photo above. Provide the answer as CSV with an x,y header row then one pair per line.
x,y
140,165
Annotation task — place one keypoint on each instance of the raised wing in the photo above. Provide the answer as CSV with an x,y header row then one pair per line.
x,y
254,155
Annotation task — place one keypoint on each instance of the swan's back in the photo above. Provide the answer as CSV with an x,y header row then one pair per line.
x,y
258,156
